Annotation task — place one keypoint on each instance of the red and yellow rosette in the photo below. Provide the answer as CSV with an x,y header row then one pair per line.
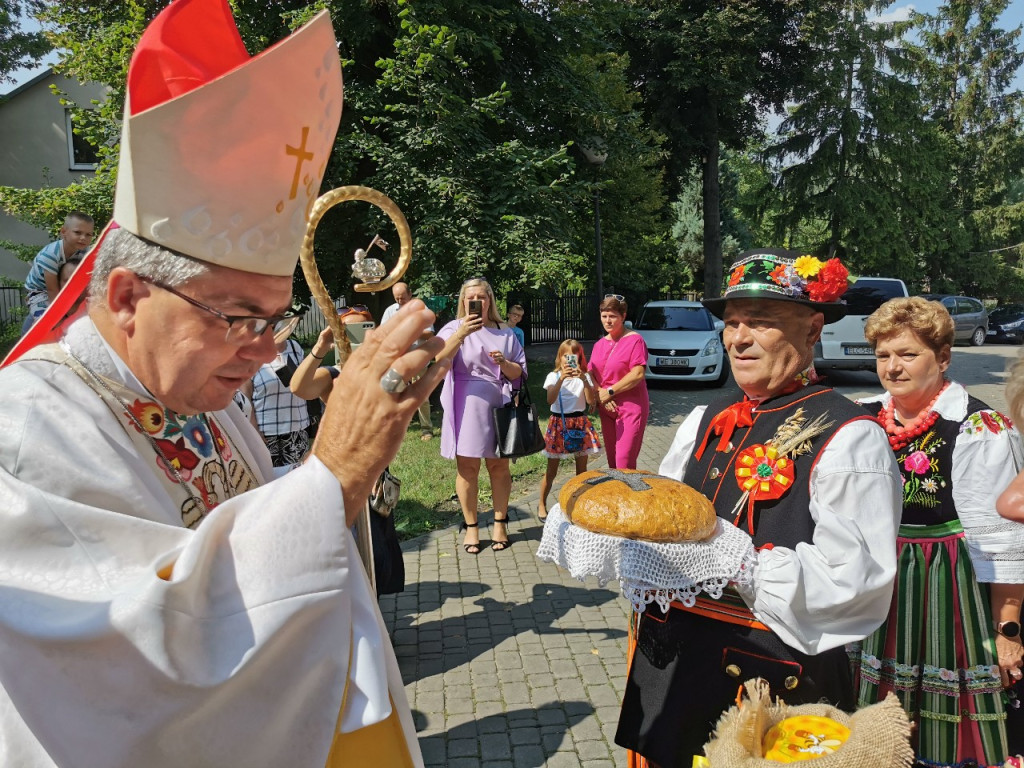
x,y
762,474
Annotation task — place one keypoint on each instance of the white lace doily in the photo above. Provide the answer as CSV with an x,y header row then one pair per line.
x,y
649,572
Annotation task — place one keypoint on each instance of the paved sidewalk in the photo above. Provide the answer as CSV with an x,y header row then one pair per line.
x,y
509,661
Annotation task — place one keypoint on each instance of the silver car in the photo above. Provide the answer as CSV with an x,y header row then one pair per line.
x,y
970,318
684,342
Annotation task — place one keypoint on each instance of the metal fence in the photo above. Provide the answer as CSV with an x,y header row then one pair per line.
x,y
575,315
10,301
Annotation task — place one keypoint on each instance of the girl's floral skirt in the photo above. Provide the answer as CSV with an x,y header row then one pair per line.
x,y
554,440
936,651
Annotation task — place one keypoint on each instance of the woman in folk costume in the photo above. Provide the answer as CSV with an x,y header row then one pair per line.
x,y
951,644
163,602
809,478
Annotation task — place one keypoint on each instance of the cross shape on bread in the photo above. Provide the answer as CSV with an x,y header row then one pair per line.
x,y
635,482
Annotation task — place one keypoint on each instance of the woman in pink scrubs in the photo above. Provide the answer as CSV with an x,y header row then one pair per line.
x,y
617,364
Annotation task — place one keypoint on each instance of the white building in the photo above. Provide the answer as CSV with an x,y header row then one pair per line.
x,y
38,149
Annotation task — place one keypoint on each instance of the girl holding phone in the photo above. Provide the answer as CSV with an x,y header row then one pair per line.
x,y
570,433
487,362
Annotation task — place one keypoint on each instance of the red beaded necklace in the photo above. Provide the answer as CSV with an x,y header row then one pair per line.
x,y
900,434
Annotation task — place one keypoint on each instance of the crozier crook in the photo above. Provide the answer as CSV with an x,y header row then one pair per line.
x,y
306,257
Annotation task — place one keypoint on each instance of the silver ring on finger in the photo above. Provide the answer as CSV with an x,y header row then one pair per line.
x,y
393,383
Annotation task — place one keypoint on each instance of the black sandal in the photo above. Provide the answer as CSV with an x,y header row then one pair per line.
x,y
475,547
501,546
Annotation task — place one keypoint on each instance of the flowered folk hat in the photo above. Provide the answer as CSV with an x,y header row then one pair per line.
x,y
775,273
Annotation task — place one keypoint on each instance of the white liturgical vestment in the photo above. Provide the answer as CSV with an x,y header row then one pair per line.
x,y
127,639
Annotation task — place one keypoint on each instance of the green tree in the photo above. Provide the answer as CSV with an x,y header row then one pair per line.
x,y
708,72
966,65
466,115
18,47
688,216
859,172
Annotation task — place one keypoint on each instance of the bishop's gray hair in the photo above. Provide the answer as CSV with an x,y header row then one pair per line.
x,y
121,248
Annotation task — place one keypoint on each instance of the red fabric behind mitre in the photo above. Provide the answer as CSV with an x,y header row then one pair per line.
x,y
189,43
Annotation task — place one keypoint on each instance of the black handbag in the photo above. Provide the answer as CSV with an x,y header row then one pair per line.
x,y
517,427
388,563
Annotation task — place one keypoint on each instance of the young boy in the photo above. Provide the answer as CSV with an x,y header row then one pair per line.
x,y
515,317
42,285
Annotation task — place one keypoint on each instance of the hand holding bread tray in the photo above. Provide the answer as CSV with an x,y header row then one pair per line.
x,y
657,536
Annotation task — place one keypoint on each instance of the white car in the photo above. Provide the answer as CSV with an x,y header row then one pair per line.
x,y
842,343
684,342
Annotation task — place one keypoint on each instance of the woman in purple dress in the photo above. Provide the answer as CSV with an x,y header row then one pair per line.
x,y
617,364
487,361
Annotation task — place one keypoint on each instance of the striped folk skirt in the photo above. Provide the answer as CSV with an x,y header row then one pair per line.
x,y
936,651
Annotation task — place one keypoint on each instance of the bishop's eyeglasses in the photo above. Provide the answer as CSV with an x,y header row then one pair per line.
x,y
242,329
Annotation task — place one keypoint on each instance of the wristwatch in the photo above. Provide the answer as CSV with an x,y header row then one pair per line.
x,y
610,391
1010,629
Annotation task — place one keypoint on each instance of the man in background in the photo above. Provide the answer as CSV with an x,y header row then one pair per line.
x,y
403,296
42,284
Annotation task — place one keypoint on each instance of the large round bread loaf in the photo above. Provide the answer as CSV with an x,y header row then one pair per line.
x,y
635,504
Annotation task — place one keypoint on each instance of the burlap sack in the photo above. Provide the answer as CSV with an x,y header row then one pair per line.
x,y
879,734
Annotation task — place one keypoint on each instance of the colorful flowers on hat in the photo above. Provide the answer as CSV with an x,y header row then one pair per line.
x,y
806,277
832,280
807,266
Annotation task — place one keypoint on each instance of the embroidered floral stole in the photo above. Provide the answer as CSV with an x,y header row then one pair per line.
x,y
196,463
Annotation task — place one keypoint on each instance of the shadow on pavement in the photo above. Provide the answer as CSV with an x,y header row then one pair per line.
x,y
435,646
525,738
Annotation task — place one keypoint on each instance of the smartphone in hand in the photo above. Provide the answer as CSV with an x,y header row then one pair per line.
x,y
476,307
572,360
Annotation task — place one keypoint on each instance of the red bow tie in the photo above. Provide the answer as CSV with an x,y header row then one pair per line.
x,y
736,415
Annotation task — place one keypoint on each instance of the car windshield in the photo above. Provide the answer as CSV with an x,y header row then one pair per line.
x,y
674,319
865,296
1009,312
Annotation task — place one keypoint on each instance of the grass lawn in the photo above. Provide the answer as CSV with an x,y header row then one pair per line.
x,y
427,501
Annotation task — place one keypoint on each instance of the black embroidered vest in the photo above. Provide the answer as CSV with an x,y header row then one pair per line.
x,y
785,521
926,465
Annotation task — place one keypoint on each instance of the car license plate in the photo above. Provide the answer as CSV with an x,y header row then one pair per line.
x,y
858,351
683,362
991,333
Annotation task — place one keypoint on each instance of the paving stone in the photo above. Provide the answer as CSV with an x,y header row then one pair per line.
x,y
564,759
516,693
594,749
564,668
609,715
496,746
603,695
458,706
542,696
554,739
463,748
570,688
430,702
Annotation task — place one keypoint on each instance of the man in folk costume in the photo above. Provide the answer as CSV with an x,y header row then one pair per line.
x,y
161,602
798,467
